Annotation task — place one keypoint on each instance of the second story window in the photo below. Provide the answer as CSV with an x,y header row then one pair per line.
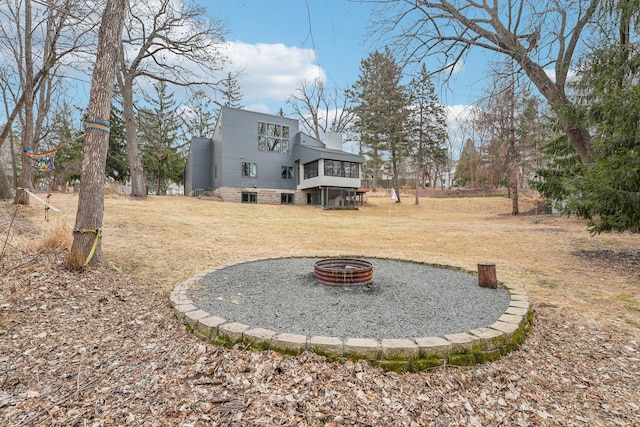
x,y
311,170
273,137
340,168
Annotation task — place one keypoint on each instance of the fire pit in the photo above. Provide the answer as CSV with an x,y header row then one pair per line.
x,y
343,272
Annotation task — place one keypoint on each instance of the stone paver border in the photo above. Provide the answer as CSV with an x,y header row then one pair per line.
x,y
399,355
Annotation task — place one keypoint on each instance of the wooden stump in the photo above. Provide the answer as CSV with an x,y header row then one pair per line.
x,y
487,275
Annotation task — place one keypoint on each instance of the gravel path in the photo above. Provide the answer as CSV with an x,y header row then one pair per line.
x,y
405,300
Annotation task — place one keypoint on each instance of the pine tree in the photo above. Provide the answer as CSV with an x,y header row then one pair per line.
x,y
468,165
162,156
68,158
556,178
117,167
604,191
607,193
231,94
200,119
428,130
381,106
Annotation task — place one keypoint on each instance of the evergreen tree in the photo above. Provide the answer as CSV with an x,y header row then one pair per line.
x,y
162,157
556,179
68,158
607,192
117,167
231,94
468,165
428,130
381,106
200,119
608,98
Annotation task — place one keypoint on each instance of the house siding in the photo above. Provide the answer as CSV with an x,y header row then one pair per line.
x,y
215,165
240,135
198,167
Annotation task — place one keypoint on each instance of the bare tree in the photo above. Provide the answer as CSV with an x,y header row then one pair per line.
x,y
170,42
35,37
320,109
529,32
87,244
505,114
5,186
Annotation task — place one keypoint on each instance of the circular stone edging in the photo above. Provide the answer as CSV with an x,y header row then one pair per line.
x,y
461,349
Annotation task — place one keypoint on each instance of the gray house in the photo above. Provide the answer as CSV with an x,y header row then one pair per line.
x,y
262,158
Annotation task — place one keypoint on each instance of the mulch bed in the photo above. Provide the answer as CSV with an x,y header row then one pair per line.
x,y
97,348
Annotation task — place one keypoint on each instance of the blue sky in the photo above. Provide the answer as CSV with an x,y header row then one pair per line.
x,y
277,43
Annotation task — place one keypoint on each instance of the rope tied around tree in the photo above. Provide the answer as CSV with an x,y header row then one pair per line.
x,y
101,126
98,233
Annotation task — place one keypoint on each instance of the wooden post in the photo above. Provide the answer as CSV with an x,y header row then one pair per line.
x,y
487,275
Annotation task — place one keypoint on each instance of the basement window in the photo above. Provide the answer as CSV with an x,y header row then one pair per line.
x,y
286,198
249,197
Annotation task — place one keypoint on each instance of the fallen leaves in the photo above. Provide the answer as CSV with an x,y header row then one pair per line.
x,y
98,348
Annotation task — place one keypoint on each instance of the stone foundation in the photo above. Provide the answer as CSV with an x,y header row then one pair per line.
x,y
264,195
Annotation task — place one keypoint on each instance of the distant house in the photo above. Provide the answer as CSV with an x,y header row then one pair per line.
x,y
261,158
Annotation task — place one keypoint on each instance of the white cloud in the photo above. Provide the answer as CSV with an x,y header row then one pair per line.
x,y
455,67
271,72
571,74
458,127
458,66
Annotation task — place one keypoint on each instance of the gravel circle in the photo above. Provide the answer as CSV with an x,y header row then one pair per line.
x,y
405,300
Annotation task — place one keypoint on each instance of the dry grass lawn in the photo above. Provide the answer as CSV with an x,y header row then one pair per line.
x,y
164,240
101,347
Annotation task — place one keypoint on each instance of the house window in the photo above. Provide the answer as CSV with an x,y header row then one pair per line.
x,y
249,197
343,169
311,170
286,198
273,137
249,170
286,172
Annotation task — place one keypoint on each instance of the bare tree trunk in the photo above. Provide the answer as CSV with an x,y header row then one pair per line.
x,y
86,237
14,161
135,163
5,187
577,135
394,181
24,182
418,172
159,182
376,170
514,200
6,133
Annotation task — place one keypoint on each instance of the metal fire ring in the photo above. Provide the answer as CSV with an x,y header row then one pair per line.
x,y
343,272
